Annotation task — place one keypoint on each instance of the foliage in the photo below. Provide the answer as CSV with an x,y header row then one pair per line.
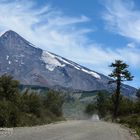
x,y
138,93
126,110
133,121
130,113
31,103
127,107
8,88
9,115
102,105
53,102
90,109
28,108
137,107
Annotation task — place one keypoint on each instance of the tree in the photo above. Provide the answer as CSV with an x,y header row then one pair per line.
x,y
119,75
90,109
8,88
137,103
138,93
127,106
103,103
9,101
54,102
26,108
31,103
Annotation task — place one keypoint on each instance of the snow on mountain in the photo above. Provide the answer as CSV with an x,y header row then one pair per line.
x,y
52,61
92,73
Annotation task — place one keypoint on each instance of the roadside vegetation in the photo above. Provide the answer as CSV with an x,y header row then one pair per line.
x,y
116,107
27,108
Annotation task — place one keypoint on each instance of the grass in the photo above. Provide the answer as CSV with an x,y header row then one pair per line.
x,y
138,131
133,121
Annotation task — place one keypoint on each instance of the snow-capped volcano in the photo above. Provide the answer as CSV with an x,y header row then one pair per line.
x,y
33,66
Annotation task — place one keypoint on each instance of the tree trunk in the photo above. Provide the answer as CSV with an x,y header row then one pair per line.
x,y
117,98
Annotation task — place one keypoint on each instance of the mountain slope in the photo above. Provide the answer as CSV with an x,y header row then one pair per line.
x,y
33,66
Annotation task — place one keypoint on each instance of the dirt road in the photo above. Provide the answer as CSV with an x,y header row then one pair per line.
x,y
70,130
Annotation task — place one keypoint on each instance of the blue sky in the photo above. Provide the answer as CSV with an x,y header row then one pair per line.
x,y
92,33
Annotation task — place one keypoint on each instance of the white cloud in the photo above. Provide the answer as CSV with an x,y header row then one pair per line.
x,y
123,18
131,45
52,30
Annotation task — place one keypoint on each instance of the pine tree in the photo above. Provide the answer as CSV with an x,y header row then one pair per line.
x,y
119,75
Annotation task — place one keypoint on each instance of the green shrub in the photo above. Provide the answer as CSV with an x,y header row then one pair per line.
x,y
31,103
126,107
54,102
28,108
90,109
132,120
9,114
102,105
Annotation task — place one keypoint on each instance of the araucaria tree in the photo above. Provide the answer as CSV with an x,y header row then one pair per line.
x,y
119,75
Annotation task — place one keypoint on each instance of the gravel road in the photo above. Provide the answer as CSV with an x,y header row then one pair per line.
x,y
70,130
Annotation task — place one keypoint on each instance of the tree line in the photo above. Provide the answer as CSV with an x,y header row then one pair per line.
x,y
27,108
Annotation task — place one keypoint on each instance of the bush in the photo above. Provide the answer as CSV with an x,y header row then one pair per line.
x,y
31,103
9,114
138,93
28,108
126,107
102,105
131,120
8,88
54,102
90,109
